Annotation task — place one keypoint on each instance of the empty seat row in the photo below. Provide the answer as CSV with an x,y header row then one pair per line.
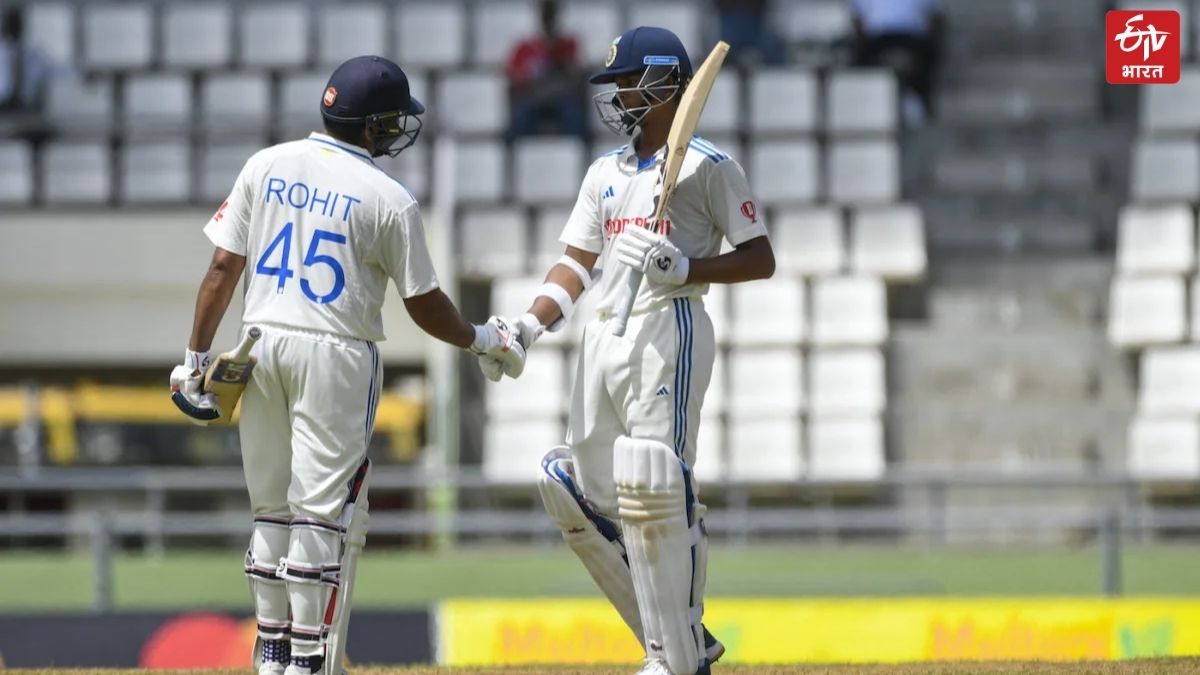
x,y
1167,381
1156,239
1164,448
1166,169
1153,310
760,450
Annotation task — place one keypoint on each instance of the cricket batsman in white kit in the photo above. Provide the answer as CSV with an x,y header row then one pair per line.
x,y
314,230
621,489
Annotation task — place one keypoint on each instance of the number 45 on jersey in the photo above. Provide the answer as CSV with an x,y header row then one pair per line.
x,y
283,241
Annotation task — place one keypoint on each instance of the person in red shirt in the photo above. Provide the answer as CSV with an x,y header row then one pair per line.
x,y
545,84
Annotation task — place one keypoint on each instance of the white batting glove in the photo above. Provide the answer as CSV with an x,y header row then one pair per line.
x,y
529,329
187,382
654,255
495,340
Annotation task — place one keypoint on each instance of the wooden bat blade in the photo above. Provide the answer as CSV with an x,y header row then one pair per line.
x,y
230,372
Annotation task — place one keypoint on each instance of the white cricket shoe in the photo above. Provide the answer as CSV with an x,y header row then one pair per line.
x,y
655,667
271,668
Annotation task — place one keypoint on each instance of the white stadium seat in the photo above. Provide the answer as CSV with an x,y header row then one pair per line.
x,y
1166,170
472,102
349,29
1164,448
710,465
783,101
16,172
845,449
540,393
76,173
809,241
1172,109
846,383
769,312
765,449
766,382
235,103
299,109
861,101
220,164
594,25
430,34
547,228
513,450
51,26
888,242
1156,239
496,28
118,35
480,171
1146,311
157,104
547,169
410,168
197,34
680,17
77,108
492,242
511,296
849,310
864,172
275,34
785,172
1168,381
155,173
723,111
812,20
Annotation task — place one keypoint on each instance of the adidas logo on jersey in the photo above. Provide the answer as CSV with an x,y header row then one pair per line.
x,y
662,391
610,192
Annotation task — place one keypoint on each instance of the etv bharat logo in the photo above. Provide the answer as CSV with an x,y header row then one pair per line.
x,y
1142,47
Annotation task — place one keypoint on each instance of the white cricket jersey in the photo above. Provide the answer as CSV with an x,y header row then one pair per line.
x,y
322,229
712,200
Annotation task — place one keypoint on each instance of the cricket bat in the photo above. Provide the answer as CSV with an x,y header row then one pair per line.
x,y
226,379
683,127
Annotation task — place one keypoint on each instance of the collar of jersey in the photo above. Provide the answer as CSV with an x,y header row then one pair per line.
x,y
344,147
630,158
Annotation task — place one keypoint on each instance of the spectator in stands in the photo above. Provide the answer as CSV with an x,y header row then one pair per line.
x,y
545,83
23,69
904,35
744,27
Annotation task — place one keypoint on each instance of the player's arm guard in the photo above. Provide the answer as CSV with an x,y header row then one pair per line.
x,y
187,393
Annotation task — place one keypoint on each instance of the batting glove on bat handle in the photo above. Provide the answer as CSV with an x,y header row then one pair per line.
x,y
200,408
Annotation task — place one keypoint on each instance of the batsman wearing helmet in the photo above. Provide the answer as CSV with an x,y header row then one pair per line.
x,y
314,230
621,489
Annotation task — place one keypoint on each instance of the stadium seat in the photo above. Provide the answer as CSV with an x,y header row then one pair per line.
x,y
547,228
809,241
1166,170
769,312
547,169
480,171
497,27
1164,448
511,296
1174,109
235,103
1146,311
681,17
850,310
364,23
16,172
813,21
220,164
785,172
540,393
430,34
767,450
766,382
78,108
51,26
864,172
197,35
845,449
594,25
861,101
299,110
117,36
276,34
411,168
76,173
888,242
846,383
710,465
513,450
157,105
155,173
472,103
769,87
492,242
723,113
716,303
1156,239
1167,384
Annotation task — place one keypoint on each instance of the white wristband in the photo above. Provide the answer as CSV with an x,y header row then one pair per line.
x,y
562,298
197,360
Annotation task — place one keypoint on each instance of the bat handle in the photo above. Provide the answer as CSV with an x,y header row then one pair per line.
x,y
243,349
622,318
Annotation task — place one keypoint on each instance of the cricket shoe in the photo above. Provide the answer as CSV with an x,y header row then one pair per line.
x,y
655,667
713,649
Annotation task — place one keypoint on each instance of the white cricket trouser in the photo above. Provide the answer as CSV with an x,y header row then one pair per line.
x,y
307,417
648,384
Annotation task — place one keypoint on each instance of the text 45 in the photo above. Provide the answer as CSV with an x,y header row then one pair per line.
x,y
283,241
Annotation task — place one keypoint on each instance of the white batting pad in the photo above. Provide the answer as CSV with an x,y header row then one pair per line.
x,y
268,543
595,539
311,571
651,498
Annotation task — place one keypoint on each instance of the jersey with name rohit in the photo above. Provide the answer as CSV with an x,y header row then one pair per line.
x,y
712,200
322,229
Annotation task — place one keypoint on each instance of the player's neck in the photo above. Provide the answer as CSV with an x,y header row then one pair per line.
x,y
652,137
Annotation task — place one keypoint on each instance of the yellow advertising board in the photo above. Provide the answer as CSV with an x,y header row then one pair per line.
x,y
485,632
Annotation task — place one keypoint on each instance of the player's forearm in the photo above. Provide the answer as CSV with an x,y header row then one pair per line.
x,y
213,298
749,261
435,314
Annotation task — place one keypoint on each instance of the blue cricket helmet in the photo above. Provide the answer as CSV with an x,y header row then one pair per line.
x,y
641,47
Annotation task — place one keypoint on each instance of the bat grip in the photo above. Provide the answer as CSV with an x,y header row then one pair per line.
x,y
243,349
622,318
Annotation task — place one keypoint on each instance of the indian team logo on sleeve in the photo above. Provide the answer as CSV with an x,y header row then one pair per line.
x,y
612,52
330,96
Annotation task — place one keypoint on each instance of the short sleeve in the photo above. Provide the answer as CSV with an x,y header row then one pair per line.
x,y
584,229
732,205
404,254
229,228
